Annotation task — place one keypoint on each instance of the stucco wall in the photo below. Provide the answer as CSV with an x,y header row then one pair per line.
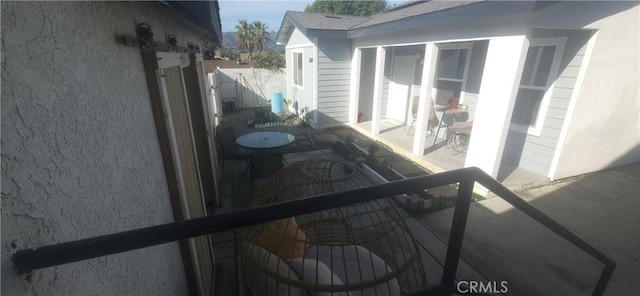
x,y
604,130
80,154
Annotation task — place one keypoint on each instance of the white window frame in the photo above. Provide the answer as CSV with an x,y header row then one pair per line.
x,y
449,46
295,71
536,128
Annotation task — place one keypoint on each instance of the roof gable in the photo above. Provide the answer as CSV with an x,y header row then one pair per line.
x,y
432,11
315,22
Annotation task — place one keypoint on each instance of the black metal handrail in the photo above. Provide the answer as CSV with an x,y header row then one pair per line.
x,y
63,253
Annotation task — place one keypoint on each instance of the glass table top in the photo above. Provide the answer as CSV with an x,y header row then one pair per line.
x,y
265,140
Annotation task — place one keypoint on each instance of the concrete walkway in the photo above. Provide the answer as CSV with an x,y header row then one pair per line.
x,y
603,209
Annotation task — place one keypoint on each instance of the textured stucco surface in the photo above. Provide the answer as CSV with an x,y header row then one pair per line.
x,y
80,154
604,131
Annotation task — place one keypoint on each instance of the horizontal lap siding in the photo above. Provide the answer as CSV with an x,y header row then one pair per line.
x,y
535,153
334,80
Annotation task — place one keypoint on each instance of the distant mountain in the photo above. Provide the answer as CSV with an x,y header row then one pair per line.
x,y
230,43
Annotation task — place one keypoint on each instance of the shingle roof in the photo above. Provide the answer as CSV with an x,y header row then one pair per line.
x,y
410,9
329,22
321,21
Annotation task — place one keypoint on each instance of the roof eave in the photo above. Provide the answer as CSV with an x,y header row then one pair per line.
x,y
471,12
286,29
212,32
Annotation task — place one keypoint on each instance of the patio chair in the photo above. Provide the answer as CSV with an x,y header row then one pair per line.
x,y
226,139
229,103
433,120
458,127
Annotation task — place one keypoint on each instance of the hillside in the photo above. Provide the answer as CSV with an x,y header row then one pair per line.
x,y
230,43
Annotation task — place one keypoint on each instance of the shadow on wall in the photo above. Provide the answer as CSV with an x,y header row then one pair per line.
x,y
245,84
577,40
232,87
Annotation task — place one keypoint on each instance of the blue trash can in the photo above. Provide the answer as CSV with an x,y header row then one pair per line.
x,y
277,102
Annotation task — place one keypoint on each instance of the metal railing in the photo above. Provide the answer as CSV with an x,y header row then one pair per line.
x,y
27,260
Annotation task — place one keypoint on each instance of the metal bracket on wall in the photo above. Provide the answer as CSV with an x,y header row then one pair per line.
x,y
157,46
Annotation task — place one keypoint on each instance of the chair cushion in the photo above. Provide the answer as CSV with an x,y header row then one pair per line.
x,y
314,272
283,238
265,282
355,264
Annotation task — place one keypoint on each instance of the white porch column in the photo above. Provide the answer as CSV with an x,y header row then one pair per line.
x,y
354,93
500,80
426,90
377,90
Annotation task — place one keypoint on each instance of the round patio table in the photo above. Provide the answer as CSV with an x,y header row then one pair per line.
x,y
263,162
265,140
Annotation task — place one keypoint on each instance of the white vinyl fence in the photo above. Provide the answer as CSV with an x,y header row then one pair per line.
x,y
244,85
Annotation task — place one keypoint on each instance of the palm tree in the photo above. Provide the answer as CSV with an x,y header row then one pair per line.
x,y
260,35
243,33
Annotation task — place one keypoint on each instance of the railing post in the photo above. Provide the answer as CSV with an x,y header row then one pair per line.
x,y
454,247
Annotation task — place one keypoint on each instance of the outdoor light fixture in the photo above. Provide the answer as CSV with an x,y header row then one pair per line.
x,y
145,35
173,42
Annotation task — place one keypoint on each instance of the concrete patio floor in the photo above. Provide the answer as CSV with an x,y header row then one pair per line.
x,y
439,158
504,244
501,243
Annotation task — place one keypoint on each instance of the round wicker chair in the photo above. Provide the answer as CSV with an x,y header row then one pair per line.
x,y
364,249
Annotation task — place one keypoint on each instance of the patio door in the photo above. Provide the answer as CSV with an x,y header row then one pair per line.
x,y
399,89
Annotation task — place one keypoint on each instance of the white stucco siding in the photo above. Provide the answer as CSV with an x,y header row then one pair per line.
x,y
80,153
334,78
504,63
604,127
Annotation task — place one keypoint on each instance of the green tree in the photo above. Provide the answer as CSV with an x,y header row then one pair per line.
x,y
271,61
244,35
356,8
260,35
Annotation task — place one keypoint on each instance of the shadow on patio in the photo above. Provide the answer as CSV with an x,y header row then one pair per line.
x,y
500,244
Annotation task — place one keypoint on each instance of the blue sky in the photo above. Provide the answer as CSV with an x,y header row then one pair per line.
x,y
269,12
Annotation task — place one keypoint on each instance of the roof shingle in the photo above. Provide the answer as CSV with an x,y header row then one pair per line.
x,y
322,21
410,9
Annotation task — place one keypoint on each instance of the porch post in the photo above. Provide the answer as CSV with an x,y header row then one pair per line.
x,y
500,80
426,90
377,90
354,93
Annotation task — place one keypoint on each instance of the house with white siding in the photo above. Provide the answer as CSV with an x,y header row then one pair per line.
x,y
550,89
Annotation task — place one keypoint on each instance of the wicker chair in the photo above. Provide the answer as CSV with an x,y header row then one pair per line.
x,y
363,249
